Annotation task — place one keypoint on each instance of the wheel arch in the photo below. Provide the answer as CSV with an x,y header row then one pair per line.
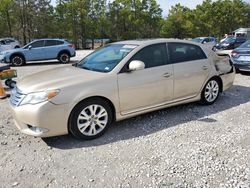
x,y
18,54
218,78
63,51
95,97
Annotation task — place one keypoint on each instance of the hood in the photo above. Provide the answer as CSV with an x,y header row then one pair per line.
x,y
11,51
57,78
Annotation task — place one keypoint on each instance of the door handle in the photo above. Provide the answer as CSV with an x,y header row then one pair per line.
x,y
166,75
204,67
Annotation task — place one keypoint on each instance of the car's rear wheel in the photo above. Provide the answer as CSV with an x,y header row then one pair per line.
x,y
64,58
210,92
90,119
17,60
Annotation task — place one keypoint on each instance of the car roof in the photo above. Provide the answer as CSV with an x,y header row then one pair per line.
x,y
49,39
140,42
7,38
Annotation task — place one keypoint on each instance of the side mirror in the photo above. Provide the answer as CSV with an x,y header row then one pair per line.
x,y
136,65
204,42
30,47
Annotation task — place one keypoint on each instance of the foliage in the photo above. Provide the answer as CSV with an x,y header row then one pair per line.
x,y
78,20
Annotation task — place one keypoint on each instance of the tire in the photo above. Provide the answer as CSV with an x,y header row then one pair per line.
x,y
17,47
10,83
84,124
210,92
64,58
17,60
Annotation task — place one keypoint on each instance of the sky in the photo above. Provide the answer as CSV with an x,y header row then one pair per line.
x,y
166,4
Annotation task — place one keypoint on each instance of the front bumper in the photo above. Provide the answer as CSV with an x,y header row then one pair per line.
x,y
2,59
51,119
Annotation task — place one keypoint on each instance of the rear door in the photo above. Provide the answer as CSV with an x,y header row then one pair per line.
x,y
52,48
191,69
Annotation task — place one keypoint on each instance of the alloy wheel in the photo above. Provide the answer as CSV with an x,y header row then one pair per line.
x,y
64,58
211,91
17,60
92,120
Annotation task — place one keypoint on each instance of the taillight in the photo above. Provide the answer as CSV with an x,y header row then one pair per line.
x,y
234,54
72,46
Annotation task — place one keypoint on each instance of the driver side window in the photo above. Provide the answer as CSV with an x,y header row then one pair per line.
x,y
153,55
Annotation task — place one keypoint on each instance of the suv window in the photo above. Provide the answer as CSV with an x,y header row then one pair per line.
x,y
153,55
51,42
59,42
38,44
206,40
180,52
9,40
2,42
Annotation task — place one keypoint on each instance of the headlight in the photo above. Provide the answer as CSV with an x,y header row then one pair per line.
x,y
38,97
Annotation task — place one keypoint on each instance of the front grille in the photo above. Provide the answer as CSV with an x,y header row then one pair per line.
x,y
16,97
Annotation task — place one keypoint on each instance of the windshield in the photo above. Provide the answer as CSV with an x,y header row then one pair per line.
x,y
27,45
245,45
105,59
198,40
229,40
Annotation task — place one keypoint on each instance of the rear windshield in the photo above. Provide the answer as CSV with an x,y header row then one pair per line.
x,y
198,40
245,45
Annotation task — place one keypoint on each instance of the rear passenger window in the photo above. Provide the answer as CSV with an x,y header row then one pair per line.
x,y
60,42
153,55
50,42
180,52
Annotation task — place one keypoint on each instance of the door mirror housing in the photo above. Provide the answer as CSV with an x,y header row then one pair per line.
x,y
136,65
30,47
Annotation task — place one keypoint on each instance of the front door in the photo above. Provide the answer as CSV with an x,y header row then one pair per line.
x,y
149,87
36,52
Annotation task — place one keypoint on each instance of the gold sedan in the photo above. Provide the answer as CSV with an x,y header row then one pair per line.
x,y
118,81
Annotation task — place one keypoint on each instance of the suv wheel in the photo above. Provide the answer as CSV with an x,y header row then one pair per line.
x,y
17,60
90,119
210,92
64,58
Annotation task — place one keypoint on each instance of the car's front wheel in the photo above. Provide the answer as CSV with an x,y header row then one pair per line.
x,y
90,119
17,60
64,58
210,92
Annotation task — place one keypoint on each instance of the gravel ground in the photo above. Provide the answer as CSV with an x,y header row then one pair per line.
x,y
184,146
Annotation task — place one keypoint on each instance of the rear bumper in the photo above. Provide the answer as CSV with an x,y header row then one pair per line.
x,y
74,54
228,79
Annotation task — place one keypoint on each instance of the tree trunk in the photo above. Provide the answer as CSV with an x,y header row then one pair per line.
x,y
9,23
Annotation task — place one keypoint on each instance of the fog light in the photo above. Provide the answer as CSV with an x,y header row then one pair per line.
x,y
38,129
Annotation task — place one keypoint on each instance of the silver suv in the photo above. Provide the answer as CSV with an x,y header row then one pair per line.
x,y
8,43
